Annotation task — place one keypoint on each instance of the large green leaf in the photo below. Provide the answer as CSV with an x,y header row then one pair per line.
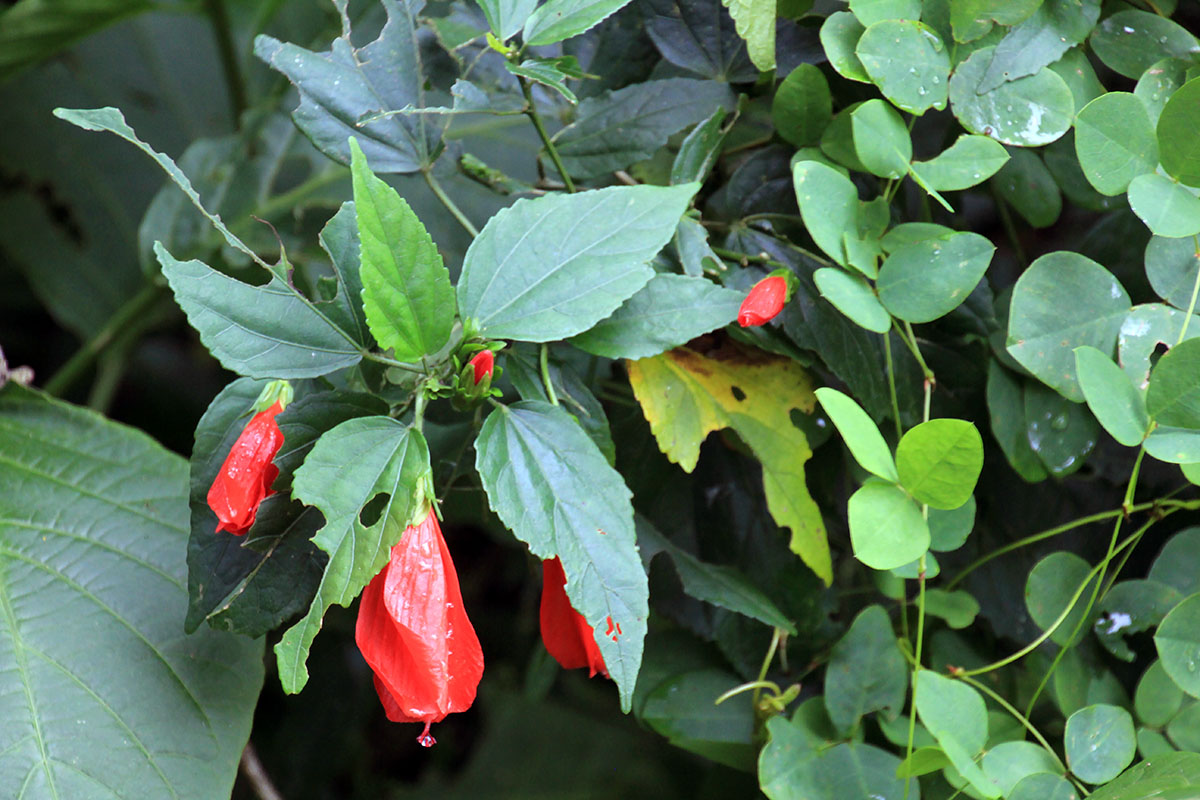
x,y
681,708
268,331
1028,112
1099,742
1130,42
887,529
1063,301
1059,431
923,281
556,20
1027,184
1178,644
802,106
1111,396
1115,141
828,202
549,483
956,716
972,19
1166,206
860,433
1052,584
1177,134
616,129
866,671
840,33
1040,40
939,462
1157,699
553,267
340,87
971,160
1173,397
507,17
668,311
790,770
699,36
1173,268
908,62
406,293
1008,763
881,139
102,693
349,467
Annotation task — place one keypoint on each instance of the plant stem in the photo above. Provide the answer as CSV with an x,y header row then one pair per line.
x,y
229,59
912,712
454,210
532,112
126,322
916,351
1017,715
1195,290
391,362
891,375
256,775
762,672
549,384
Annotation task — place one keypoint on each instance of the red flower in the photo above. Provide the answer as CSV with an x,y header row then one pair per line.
x,y
414,633
483,362
246,476
765,300
565,632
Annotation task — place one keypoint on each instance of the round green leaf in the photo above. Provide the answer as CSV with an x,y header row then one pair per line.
x,y
1129,42
948,530
908,62
1174,445
1008,763
939,462
1158,83
958,609
1167,207
1173,397
1115,141
886,526
871,11
1170,776
881,139
860,433
1156,698
851,295
1176,564
1151,743
1052,583
1029,111
839,37
926,280
1063,300
1184,728
966,163
1173,267
1191,472
1043,786
802,107
1111,396
1100,742
1130,607
1178,644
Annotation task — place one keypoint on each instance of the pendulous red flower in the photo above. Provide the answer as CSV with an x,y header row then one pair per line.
x,y
482,362
765,300
565,632
245,478
414,632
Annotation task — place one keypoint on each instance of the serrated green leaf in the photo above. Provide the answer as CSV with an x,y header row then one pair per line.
x,y
93,523
548,72
699,36
553,267
506,17
406,293
553,488
700,149
349,467
556,20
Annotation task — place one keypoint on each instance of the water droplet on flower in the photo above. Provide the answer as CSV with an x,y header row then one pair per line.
x,y
426,738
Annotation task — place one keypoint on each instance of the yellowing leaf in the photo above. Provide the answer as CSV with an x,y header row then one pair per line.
x,y
686,396
755,23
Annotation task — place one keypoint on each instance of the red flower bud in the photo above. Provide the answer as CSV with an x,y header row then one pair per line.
x,y
483,362
565,632
246,476
765,300
414,633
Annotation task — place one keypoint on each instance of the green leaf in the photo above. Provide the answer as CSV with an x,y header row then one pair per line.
x,y
1146,327
802,107
1184,729
720,585
971,160
1027,112
1158,83
552,487
1028,186
958,609
406,293
700,150
1130,607
1174,445
939,462
886,527
1176,563
1157,698
866,672
552,267
1168,208
506,17
1115,141
793,766
1040,40
1006,407
956,716
615,129
34,30
340,87
971,19
1111,396
851,295
556,20
1008,763
908,62
691,246
881,139
860,433
349,467
1043,786
1075,68
1063,301
923,761
829,205
698,36
1178,644
1129,42
1173,397
102,694
755,23
1052,583
268,331
552,72
669,311
840,33
1173,267
522,366
924,281
1171,776
871,11
948,530
1100,742
339,239
681,709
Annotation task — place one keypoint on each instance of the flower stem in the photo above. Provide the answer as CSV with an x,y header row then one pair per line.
x,y
1195,290
454,210
532,112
